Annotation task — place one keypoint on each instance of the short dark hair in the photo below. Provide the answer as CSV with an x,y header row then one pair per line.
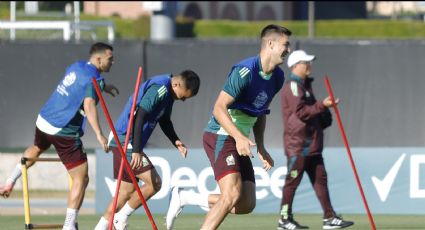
x,y
100,47
191,80
272,28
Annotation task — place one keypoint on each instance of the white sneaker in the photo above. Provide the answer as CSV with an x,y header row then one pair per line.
x,y
120,224
69,228
336,222
174,207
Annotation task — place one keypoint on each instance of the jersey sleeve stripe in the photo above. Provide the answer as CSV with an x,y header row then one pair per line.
x,y
162,91
243,72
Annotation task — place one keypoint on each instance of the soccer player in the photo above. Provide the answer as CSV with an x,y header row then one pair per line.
x,y
61,123
242,105
154,105
304,120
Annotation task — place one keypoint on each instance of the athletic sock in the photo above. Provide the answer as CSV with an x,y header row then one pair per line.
x,y
15,174
125,212
102,224
70,219
193,198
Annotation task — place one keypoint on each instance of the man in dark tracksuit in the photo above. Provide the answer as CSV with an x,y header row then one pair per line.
x,y
304,120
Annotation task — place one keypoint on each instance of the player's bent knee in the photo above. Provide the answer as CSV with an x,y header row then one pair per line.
x,y
235,194
230,200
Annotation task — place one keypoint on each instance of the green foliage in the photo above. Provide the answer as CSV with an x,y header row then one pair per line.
x,y
125,28
371,29
344,29
132,29
4,11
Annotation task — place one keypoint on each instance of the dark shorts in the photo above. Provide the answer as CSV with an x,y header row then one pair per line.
x,y
224,158
146,165
69,149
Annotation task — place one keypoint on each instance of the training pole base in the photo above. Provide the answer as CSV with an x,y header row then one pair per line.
x,y
43,226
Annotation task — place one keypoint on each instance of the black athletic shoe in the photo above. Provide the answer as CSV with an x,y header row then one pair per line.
x,y
289,223
336,222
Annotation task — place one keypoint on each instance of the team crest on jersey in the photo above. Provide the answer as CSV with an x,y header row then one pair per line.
x,y
294,173
261,99
307,94
69,79
230,160
145,161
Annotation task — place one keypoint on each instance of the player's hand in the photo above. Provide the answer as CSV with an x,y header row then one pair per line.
x,y
182,148
103,142
109,88
266,159
243,146
327,102
136,160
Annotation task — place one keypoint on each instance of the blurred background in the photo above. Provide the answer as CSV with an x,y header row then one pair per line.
x,y
372,51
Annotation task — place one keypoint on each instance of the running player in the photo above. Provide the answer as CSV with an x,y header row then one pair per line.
x,y
154,105
242,105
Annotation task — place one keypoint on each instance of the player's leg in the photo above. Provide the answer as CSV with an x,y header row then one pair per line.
x,y
247,199
316,171
80,179
178,198
124,194
72,155
151,185
231,189
225,161
40,145
126,189
295,166
227,165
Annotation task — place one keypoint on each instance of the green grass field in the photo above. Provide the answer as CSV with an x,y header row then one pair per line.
x,y
232,222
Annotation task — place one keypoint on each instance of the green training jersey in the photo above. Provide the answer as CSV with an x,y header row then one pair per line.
x,y
234,86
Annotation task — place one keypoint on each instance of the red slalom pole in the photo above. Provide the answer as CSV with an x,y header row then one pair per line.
x,y
353,166
123,155
127,138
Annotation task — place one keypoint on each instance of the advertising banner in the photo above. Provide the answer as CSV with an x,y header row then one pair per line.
x,y
393,180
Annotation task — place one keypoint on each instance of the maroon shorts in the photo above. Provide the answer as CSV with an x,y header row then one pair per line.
x,y
224,158
146,165
69,149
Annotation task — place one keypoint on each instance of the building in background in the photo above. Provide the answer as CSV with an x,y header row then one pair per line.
x,y
271,10
123,9
234,10
391,8
237,10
